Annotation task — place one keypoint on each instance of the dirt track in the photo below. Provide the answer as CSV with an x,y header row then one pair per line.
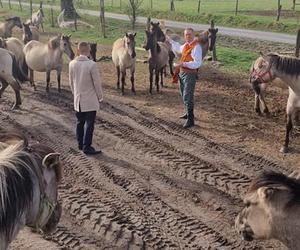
x,y
156,185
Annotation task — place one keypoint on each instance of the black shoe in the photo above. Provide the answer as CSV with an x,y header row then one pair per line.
x,y
91,151
184,116
190,119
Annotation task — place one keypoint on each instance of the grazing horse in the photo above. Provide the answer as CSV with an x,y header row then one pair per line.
x,y
30,32
37,18
8,25
15,46
11,74
158,58
272,208
29,178
266,69
124,57
46,57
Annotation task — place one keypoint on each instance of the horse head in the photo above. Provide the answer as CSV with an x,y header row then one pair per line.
x,y
150,40
129,41
15,20
156,30
270,203
66,46
212,37
27,34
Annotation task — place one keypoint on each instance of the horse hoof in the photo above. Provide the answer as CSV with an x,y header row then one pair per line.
x,y
284,150
15,107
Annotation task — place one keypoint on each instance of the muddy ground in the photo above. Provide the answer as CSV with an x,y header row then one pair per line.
x,y
156,185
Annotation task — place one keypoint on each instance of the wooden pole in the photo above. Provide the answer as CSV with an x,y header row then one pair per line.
x,y
75,20
41,8
278,11
31,11
297,44
199,6
52,17
236,7
294,5
1,4
102,18
20,5
148,23
212,28
172,6
9,4
151,4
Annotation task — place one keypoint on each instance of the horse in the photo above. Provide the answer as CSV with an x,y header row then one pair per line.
x,y
8,25
14,45
37,19
124,57
46,57
29,178
11,74
272,208
70,24
267,68
158,58
30,32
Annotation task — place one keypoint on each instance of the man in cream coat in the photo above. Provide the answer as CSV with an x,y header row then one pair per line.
x,y
85,83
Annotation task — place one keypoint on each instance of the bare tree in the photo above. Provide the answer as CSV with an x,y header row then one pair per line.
x,y
133,9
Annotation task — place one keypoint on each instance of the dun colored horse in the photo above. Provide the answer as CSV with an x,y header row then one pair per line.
x,y
158,58
124,57
37,18
8,25
29,178
46,57
30,32
11,74
267,68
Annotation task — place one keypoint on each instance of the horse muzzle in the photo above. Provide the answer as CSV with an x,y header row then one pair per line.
x,y
53,220
247,234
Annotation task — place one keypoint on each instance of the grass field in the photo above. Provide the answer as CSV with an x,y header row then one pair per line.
x,y
232,59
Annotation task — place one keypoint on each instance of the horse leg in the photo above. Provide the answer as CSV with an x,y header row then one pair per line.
x,y
289,126
132,81
165,71
256,105
16,87
58,72
118,74
161,77
48,80
263,103
157,79
4,86
31,78
150,78
123,72
171,65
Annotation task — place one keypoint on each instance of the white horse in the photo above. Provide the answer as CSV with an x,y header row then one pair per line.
x,y
11,74
124,57
46,57
36,19
266,69
29,178
8,25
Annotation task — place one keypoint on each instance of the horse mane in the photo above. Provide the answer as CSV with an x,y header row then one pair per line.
x,y
16,184
271,178
285,64
202,37
54,42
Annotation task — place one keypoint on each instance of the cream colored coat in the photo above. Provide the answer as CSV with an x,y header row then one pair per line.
x,y
85,83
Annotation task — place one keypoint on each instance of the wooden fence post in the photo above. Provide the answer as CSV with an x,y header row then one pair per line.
x,y
172,5
294,5
41,8
215,31
31,11
20,5
236,7
151,4
279,7
75,20
297,44
9,4
52,17
199,6
1,4
148,23
102,18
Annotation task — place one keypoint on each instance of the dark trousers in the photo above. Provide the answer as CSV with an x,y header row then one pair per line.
x,y
187,88
85,128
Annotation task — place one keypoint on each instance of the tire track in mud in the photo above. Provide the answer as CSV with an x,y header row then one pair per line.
x,y
192,228
124,131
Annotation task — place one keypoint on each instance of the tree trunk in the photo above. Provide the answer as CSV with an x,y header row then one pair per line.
x,y
236,7
102,18
172,5
278,11
294,5
68,6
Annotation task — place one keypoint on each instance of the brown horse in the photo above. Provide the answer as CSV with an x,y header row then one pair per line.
x,y
158,58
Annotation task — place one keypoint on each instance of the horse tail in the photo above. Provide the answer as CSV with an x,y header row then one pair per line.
x,y
17,71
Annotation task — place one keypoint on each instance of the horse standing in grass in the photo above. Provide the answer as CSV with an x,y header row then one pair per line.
x,y
37,19
267,68
30,32
11,74
29,178
124,57
46,57
158,58
8,25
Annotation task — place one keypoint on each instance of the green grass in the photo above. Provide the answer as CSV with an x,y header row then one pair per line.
x,y
232,59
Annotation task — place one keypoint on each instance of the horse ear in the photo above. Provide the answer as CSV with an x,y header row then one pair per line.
x,y
151,23
266,193
134,34
126,34
261,54
217,30
51,160
158,23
